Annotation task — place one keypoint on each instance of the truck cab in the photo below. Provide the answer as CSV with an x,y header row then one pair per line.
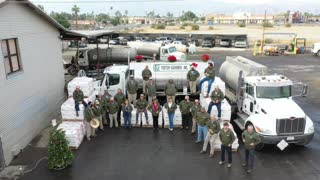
x,y
316,49
268,105
171,50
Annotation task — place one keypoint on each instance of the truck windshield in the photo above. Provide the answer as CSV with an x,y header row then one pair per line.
x,y
273,92
172,49
114,79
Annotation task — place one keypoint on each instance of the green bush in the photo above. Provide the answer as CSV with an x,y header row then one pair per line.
x,y
160,26
241,24
185,24
210,28
268,41
153,26
171,24
195,27
267,24
288,25
182,27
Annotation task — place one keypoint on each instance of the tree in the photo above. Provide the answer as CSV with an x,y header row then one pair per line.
x,y
188,16
203,18
60,155
75,9
104,18
118,14
41,7
151,14
126,13
61,18
169,15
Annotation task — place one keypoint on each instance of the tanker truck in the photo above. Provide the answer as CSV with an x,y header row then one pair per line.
x,y
116,76
266,102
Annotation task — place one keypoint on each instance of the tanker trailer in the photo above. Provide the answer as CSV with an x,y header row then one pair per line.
x,y
265,102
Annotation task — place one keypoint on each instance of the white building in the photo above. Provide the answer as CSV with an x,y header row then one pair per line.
x,y
31,74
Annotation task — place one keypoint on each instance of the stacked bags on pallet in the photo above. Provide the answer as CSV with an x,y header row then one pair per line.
x,y
225,108
68,111
86,85
75,132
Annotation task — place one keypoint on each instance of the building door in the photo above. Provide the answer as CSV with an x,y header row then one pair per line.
x,y
2,163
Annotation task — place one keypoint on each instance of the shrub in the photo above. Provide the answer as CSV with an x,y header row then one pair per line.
x,y
210,28
185,24
182,27
153,26
195,27
160,26
288,25
241,24
171,24
267,24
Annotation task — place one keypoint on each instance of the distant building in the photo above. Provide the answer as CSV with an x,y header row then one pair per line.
x,y
31,74
146,20
236,18
84,22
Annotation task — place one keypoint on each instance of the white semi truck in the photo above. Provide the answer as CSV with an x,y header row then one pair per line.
x,y
266,102
116,76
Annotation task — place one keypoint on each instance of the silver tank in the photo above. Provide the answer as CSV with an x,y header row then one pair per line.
x,y
111,55
163,71
230,69
148,49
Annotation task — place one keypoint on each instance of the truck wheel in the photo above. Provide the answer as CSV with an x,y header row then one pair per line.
x,y
318,53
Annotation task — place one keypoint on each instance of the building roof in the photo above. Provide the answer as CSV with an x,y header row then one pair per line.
x,y
65,33
94,33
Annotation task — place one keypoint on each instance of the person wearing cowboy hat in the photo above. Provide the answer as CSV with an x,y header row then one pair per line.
x,y
216,97
194,110
142,106
192,77
88,116
132,88
78,99
210,74
170,90
98,111
151,90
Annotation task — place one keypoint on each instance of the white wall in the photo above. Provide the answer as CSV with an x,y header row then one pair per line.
x,y
29,98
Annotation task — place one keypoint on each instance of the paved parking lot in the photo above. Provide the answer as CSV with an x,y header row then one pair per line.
x,y
142,154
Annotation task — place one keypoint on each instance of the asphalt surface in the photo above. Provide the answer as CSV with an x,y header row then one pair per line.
x,y
144,154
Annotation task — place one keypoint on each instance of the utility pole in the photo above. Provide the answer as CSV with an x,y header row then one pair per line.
x,y
263,25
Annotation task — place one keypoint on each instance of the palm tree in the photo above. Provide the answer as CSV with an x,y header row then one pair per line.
x,y
111,8
76,10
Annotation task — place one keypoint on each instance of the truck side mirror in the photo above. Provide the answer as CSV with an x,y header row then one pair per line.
x,y
304,92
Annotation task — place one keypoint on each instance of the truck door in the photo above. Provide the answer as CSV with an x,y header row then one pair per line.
x,y
249,105
164,53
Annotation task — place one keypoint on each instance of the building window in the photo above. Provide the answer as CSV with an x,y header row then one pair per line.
x,y
10,52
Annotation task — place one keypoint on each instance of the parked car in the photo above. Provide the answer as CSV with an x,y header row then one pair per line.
x,y
182,40
194,41
164,40
207,42
123,41
225,43
115,41
240,43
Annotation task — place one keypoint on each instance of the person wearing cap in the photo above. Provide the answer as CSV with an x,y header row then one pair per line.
x,y
146,74
112,108
78,99
119,98
209,72
98,111
132,88
107,97
192,77
127,109
216,97
102,102
151,90
194,110
185,107
155,109
88,116
227,138
142,106
212,136
171,107
202,118
170,90
250,139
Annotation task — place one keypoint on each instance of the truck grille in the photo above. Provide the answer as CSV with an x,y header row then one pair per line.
x,y
290,126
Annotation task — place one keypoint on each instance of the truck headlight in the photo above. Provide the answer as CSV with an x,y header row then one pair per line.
x,y
310,130
263,130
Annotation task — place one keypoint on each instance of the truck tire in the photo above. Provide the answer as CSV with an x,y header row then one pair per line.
x,y
318,53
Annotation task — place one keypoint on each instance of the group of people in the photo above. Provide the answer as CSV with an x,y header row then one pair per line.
x,y
107,110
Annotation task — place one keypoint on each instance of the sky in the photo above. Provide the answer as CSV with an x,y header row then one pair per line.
x,y
200,7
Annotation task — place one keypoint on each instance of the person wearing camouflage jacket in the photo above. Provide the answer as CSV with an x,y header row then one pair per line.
x,y
132,88
202,118
170,90
146,75
142,106
195,108
98,112
192,77
78,98
112,108
217,97
88,116
120,98
210,76
212,136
